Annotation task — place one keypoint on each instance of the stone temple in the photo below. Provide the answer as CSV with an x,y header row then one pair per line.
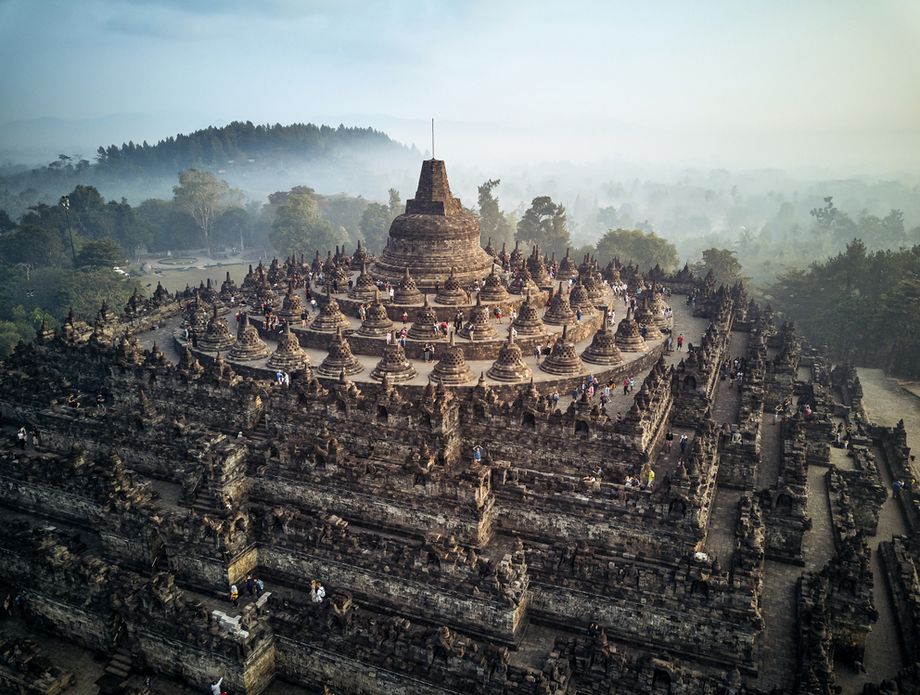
x,y
482,519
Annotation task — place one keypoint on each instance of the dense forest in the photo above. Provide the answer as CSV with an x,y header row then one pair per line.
x,y
864,306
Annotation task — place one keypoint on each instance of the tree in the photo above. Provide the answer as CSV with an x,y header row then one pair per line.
x,y
233,227
833,223
6,223
9,338
32,245
395,204
644,249
299,228
544,224
103,253
170,227
375,226
493,223
724,266
203,196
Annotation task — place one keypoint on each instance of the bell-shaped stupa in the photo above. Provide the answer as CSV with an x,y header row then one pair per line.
x,y
249,344
480,325
452,368
603,348
422,327
628,338
288,356
340,358
433,235
217,336
562,359
510,365
393,365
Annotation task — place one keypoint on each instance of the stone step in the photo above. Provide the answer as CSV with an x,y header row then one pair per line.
x,y
121,660
116,671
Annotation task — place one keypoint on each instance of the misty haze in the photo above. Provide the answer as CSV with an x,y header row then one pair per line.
x,y
544,348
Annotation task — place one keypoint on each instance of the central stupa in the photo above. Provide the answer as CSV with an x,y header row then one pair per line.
x,y
433,236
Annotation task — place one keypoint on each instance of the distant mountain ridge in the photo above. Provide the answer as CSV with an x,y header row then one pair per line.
x,y
243,140
259,159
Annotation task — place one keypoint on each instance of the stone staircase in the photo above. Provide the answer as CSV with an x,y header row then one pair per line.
x,y
114,680
207,501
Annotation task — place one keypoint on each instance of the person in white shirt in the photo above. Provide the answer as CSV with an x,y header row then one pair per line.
x,y
317,592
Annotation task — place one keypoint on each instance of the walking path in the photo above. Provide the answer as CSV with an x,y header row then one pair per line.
x,y
884,655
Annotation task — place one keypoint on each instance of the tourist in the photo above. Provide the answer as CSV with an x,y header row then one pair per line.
x,y
215,686
683,444
389,337
250,585
625,385
651,479
632,384
428,351
405,317
896,488
458,321
668,440
477,454
536,352
578,315
317,592
260,587
513,333
680,342
234,595
21,436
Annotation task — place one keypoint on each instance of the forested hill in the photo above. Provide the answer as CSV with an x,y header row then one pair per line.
x,y
258,159
244,142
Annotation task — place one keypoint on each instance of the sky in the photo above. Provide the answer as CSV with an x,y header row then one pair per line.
x,y
828,85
